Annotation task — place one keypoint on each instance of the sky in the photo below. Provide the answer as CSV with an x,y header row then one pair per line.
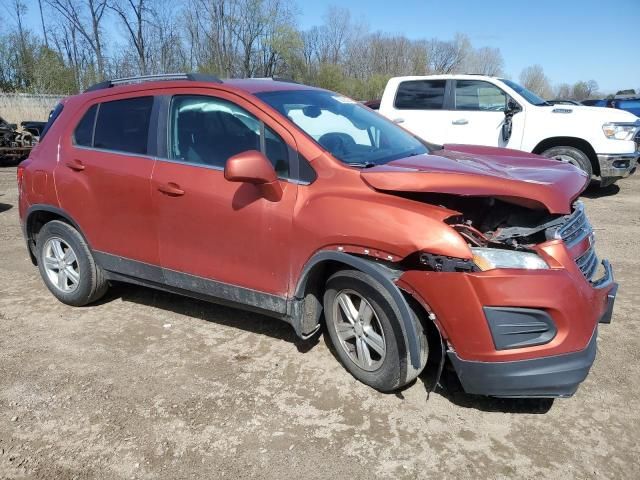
x,y
572,39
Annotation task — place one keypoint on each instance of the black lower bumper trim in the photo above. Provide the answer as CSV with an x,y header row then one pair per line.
x,y
611,298
556,376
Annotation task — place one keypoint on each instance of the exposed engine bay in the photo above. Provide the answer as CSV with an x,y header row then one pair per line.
x,y
490,222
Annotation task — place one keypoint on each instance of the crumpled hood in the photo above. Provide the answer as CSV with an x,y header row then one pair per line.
x,y
510,175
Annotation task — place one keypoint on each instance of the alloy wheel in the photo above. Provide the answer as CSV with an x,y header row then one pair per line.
x,y
61,265
359,330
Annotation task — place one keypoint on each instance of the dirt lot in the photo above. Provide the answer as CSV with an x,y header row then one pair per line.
x,y
151,385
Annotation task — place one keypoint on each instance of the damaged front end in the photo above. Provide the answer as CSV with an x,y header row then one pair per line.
x,y
518,319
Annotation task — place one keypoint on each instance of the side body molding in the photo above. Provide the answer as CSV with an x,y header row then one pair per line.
x,y
383,274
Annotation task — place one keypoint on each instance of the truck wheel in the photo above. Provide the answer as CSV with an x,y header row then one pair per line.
x,y
573,156
364,328
67,266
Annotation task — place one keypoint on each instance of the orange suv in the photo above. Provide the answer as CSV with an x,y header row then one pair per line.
x,y
304,205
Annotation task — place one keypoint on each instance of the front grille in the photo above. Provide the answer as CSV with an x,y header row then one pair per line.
x,y
588,263
574,230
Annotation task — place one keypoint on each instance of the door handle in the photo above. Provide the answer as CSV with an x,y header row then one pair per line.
x,y
460,121
171,189
398,120
75,165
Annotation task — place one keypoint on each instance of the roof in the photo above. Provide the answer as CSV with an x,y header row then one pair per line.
x,y
153,82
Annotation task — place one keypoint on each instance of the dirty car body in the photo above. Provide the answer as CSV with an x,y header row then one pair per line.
x,y
320,210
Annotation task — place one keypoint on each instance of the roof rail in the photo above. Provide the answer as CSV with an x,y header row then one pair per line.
x,y
276,79
193,77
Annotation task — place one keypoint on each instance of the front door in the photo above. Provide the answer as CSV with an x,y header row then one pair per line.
x,y
478,115
217,237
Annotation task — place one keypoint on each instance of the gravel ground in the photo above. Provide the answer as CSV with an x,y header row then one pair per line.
x,y
151,385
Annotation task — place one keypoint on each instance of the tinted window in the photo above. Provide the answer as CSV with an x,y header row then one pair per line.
x,y
208,131
83,134
123,125
476,95
420,95
55,113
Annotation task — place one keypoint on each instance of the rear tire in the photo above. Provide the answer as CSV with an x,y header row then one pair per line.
x,y
369,341
66,265
571,155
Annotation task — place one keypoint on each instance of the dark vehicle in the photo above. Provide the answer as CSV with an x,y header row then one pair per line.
x,y
630,104
594,103
372,104
15,144
33,127
563,102
302,204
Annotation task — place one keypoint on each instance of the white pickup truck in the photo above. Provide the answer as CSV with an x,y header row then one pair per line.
x,y
482,110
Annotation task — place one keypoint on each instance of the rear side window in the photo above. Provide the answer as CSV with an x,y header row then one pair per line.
x,y
55,113
420,95
83,134
123,125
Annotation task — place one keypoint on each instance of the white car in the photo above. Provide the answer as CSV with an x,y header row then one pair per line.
x,y
482,110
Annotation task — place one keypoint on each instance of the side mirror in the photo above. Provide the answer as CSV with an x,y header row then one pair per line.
x,y
254,168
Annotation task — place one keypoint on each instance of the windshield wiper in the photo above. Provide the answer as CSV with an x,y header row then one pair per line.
x,y
362,164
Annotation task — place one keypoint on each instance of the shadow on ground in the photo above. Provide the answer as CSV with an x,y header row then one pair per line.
x,y
594,191
5,206
448,387
210,312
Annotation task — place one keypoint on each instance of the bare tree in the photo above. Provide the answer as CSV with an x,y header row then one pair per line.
x,y
335,33
73,11
449,56
485,61
534,79
563,91
133,14
583,90
44,29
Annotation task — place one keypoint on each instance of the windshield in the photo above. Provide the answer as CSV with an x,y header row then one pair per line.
x,y
350,132
528,95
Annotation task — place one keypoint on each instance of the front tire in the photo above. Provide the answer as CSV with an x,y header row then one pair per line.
x,y
67,266
571,155
364,326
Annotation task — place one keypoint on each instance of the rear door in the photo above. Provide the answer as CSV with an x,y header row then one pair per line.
x,y
419,106
103,178
217,237
478,114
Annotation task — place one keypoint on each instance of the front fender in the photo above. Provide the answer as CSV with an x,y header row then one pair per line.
x,y
383,274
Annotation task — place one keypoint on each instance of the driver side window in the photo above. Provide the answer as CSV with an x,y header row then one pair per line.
x,y
208,131
474,95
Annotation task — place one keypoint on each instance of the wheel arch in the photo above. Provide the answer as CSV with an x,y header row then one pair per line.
x,y
580,143
306,308
36,217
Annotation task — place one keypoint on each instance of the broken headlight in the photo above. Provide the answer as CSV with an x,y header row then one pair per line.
x,y
491,258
